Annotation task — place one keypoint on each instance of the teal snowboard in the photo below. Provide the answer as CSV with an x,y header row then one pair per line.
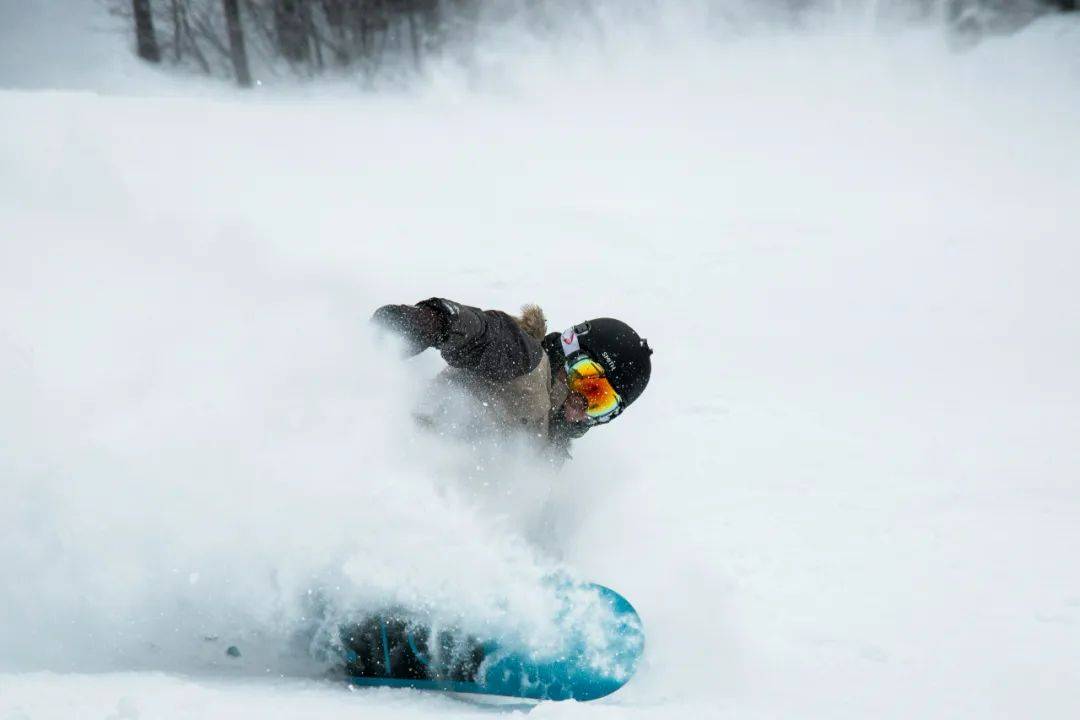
x,y
601,645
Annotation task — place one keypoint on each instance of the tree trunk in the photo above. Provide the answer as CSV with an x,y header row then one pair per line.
x,y
334,10
144,31
236,43
178,38
193,45
309,29
414,38
291,31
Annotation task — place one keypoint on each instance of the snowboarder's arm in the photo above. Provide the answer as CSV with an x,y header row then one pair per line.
x,y
420,327
487,342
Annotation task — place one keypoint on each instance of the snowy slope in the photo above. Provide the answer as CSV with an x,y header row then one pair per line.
x,y
850,490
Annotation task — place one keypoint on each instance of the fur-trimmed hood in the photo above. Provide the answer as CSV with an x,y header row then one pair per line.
x,y
533,322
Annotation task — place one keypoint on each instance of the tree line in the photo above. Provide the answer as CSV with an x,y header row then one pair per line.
x,y
309,36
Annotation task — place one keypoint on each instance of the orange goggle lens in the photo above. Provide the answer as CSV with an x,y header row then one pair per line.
x,y
586,377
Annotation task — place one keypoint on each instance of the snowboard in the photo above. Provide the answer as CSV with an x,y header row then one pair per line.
x,y
602,641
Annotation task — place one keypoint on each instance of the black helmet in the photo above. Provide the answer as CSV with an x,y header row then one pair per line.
x,y
623,353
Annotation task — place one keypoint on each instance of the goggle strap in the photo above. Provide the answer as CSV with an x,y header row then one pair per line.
x,y
569,342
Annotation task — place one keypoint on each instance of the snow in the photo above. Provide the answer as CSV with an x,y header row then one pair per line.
x,y
849,491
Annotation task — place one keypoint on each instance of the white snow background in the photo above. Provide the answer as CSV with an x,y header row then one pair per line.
x,y
850,490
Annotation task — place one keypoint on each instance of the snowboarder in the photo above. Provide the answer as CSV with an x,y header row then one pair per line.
x,y
553,386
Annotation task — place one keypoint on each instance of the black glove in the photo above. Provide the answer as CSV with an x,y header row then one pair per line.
x,y
420,326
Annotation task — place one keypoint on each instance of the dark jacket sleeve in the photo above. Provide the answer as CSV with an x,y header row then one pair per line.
x,y
487,342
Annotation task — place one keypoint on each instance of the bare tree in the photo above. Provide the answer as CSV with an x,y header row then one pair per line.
x,y
231,38
291,29
144,31
177,41
335,12
236,43
192,43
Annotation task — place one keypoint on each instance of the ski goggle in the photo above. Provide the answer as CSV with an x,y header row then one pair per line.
x,y
585,377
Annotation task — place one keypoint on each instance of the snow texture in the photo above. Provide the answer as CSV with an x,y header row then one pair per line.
x,y
850,490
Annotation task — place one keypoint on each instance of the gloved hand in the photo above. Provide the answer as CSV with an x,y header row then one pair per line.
x,y
420,326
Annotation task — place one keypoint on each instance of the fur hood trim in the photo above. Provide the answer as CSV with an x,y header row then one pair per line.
x,y
533,322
